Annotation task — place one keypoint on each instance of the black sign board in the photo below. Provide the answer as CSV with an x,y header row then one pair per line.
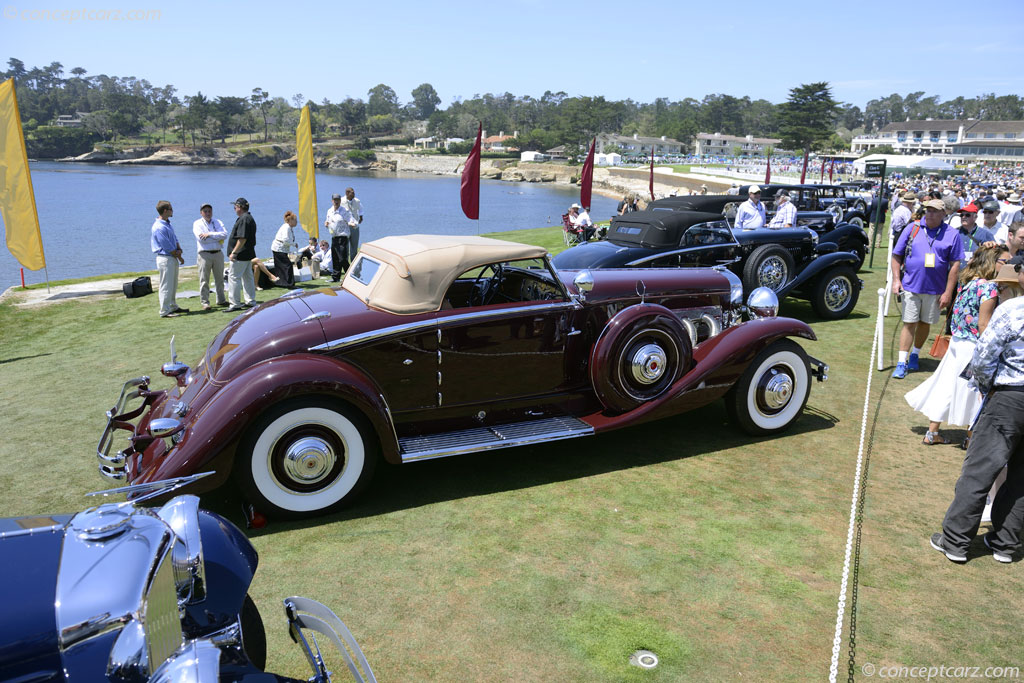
x,y
874,169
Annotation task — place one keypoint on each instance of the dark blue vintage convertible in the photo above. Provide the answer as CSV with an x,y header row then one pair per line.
x,y
123,593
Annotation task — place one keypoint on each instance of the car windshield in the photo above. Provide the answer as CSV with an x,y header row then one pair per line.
x,y
705,234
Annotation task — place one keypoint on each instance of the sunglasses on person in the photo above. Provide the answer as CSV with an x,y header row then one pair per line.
x,y
1017,267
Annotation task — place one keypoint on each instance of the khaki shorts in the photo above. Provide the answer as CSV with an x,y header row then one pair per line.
x,y
920,308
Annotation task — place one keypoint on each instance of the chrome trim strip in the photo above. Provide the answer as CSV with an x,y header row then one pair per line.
x,y
496,439
663,254
316,316
407,328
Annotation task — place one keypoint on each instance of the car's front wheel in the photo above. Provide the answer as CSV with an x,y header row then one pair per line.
x,y
770,265
772,392
856,220
305,457
835,293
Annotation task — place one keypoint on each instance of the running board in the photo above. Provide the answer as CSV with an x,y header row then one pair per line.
x,y
489,438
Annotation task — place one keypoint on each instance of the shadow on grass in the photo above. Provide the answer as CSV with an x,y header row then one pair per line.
x,y
17,358
403,487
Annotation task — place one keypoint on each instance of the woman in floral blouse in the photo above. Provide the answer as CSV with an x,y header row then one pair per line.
x,y
945,396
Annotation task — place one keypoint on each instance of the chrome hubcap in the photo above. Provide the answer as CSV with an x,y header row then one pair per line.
x,y
777,390
837,293
309,460
772,273
648,364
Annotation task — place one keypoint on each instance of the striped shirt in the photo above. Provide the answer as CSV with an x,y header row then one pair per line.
x,y
999,357
785,216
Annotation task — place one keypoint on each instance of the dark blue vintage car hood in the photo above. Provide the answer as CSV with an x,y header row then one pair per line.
x,y
28,586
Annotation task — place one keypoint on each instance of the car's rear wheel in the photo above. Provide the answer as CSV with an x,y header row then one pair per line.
x,y
860,206
771,393
644,359
305,457
254,636
770,265
835,293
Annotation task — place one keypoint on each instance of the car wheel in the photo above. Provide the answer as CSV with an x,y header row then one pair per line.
x,y
856,220
770,265
306,457
837,213
835,293
860,206
772,392
644,359
254,637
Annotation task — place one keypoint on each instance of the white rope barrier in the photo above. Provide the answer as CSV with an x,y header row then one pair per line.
x,y
876,343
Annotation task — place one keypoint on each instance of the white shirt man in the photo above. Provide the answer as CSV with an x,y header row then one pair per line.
x,y
339,224
355,207
1010,212
210,235
751,213
902,215
990,211
785,211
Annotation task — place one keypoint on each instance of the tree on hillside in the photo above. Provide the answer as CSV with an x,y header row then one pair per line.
x,y
382,101
353,115
424,101
807,119
260,100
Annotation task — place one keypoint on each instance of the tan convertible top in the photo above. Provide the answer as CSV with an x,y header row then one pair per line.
x,y
416,270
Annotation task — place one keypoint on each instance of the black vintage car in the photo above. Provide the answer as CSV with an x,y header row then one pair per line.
x,y
818,208
789,261
120,593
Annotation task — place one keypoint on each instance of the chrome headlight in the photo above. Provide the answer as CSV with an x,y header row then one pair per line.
x,y
182,515
198,661
762,303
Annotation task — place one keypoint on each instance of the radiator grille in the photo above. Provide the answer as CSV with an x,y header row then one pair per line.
x,y
161,621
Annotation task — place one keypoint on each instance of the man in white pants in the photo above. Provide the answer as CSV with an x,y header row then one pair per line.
x,y
355,207
210,235
168,256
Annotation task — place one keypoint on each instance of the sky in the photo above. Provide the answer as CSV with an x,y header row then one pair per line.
x,y
638,49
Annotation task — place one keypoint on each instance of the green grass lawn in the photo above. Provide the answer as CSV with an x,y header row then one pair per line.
x,y
720,552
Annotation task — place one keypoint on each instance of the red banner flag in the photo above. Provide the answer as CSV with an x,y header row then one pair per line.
x,y
652,173
768,171
831,169
821,178
803,174
587,177
470,190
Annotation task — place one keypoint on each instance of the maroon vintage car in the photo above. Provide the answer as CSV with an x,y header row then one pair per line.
x,y
436,346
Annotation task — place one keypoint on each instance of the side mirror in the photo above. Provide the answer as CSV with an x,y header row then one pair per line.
x,y
584,282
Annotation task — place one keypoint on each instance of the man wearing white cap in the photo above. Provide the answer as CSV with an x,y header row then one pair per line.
x,y
1009,211
210,235
751,213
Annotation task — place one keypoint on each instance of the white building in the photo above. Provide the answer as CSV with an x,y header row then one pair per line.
x,y
955,140
718,145
638,144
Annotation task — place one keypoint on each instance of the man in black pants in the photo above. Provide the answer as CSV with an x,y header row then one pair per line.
x,y
338,223
997,368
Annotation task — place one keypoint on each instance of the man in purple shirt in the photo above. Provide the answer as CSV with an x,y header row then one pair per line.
x,y
168,256
929,255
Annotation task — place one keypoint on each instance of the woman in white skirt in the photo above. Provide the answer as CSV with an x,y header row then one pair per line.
x,y
945,396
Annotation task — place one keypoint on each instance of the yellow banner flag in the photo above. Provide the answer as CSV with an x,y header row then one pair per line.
x,y
309,216
17,201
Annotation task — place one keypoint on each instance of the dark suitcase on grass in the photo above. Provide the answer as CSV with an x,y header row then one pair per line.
x,y
140,286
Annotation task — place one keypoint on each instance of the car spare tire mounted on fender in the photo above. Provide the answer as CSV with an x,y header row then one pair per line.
x,y
641,352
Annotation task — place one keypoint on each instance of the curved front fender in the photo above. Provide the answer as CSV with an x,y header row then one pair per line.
x,y
214,429
717,365
845,232
820,264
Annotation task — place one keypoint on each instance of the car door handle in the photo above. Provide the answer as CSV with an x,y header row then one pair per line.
x,y
573,332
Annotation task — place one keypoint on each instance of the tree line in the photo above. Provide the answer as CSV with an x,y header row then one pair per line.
x,y
115,108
